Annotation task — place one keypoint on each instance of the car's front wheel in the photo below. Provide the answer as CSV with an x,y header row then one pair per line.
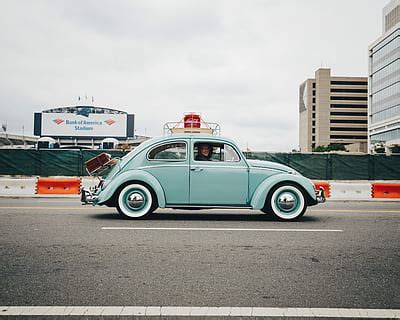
x,y
286,202
135,201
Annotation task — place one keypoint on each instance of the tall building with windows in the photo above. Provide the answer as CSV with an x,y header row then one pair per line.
x,y
333,110
384,82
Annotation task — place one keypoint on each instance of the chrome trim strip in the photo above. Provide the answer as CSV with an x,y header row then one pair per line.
x,y
271,169
193,166
162,166
223,166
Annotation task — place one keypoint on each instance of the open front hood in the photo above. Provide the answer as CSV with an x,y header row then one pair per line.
x,y
270,165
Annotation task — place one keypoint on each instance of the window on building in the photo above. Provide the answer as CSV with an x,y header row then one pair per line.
x,y
350,83
349,98
352,114
349,90
313,85
313,130
349,105
348,129
388,135
348,121
348,137
313,123
313,100
313,107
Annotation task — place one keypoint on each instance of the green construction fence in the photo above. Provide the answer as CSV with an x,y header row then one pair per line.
x,y
314,166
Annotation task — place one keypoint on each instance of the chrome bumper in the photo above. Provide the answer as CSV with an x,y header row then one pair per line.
x,y
88,196
320,195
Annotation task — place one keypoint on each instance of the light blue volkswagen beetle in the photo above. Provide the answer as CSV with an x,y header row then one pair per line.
x,y
199,171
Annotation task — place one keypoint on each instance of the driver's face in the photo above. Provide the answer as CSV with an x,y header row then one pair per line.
x,y
204,150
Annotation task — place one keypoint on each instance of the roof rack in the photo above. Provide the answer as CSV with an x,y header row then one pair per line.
x,y
192,123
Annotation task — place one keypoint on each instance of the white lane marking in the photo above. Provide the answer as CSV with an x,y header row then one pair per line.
x,y
352,210
55,201
197,311
221,229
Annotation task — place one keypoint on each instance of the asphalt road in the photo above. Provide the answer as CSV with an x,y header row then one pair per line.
x,y
341,255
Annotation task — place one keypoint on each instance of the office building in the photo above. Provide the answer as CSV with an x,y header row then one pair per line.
x,y
384,83
333,110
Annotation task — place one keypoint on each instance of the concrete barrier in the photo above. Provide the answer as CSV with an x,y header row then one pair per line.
x,y
350,190
17,187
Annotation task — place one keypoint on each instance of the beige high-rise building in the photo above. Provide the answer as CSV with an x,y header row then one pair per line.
x,y
333,110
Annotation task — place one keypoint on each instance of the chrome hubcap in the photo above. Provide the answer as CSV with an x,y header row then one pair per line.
x,y
286,201
135,200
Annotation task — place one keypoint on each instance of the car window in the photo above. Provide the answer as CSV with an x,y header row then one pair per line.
x,y
211,151
170,151
230,154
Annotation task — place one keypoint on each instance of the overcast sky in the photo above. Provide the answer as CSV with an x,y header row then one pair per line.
x,y
238,63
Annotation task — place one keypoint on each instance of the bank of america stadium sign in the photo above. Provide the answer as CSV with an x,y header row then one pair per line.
x,y
70,124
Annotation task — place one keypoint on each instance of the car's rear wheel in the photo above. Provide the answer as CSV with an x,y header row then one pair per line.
x,y
135,201
286,202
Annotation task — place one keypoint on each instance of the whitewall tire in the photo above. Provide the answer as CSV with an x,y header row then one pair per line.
x,y
135,201
286,202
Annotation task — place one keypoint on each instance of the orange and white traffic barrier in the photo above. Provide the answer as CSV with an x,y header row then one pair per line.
x,y
70,186
385,190
358,190
58,186
325,185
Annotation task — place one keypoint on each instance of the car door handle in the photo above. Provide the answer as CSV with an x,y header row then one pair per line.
x,y
196,169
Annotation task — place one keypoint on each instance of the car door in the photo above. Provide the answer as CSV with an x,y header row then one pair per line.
x,y
220,180
168,162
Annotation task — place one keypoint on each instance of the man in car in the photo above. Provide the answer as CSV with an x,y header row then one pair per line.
x,y
204,152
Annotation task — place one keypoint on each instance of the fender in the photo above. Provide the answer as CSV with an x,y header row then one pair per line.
x,y
260,194
137,175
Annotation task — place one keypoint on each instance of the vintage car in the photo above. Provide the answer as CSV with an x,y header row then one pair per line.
x,y
199,171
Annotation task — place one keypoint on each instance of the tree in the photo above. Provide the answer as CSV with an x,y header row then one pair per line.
x,y
330,147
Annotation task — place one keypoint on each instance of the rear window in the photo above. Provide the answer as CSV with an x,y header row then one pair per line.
x,y
170,151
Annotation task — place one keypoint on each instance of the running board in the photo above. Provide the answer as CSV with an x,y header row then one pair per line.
x,y
194,207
